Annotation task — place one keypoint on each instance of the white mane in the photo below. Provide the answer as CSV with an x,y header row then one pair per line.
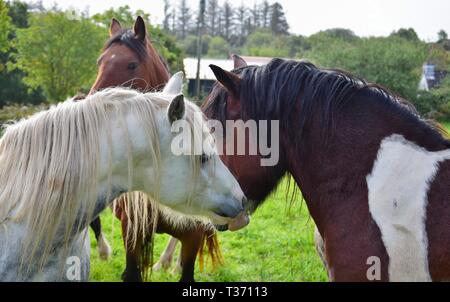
x,y
49,163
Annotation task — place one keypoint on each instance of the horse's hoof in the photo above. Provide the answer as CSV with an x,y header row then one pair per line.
x,y
187,280
162,264
104,249
177,270
126,277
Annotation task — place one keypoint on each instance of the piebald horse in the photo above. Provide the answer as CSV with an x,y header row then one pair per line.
x,y
62,167
130,59
374,175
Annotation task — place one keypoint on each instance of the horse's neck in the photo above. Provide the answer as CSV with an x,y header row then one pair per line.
x,y
332,174
159,75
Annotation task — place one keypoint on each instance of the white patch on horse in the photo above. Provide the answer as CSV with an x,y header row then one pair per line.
x,y
398,188
104,249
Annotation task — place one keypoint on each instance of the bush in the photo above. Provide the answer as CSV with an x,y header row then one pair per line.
x,y
436,102
16,112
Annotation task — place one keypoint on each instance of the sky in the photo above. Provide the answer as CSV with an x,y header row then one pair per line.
x,y
364,17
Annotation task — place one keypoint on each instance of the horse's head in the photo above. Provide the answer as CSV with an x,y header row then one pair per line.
x,y
224,103
130,60
187,145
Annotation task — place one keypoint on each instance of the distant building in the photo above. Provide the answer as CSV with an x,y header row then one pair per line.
x,y
431,77
207,77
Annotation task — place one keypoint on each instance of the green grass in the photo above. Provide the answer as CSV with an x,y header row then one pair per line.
x,y
278,245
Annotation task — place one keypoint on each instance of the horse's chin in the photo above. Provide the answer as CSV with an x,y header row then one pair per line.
x,y
221,228
235,224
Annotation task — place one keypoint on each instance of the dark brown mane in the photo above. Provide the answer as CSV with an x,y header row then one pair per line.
x,y
127,37
273,91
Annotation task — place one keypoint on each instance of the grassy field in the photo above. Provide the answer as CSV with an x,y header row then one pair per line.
x,y
278,245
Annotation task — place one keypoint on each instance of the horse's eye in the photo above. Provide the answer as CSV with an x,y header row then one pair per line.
x,y
132,66
204,158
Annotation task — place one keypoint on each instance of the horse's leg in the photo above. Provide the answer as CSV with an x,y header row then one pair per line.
x,y
190,244
104,249
132,273
166,257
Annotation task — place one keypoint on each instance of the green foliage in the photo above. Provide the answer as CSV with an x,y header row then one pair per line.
x,y
218,48
442,35
393,62
435,103
124,14
341,34
189,45
5,27
168,48
16,112
439,56
58,54
264,44
18,11
406,33
278,23
12,88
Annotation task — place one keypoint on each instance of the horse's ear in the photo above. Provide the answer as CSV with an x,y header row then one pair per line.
x,y
139,29
175,84
238,61
229,80
114,27
176,109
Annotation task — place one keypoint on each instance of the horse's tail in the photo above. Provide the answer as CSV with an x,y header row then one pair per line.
x,y
210,241
140,213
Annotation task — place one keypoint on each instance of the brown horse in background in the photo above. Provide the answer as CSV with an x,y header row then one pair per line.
x,y
129,59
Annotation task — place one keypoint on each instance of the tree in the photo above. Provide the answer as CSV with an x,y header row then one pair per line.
x,y
265,11
212,16
189,45
278,23
167,15
255,17
439,57
341,33
240,25
393,62
18,11
227,17
263,43
12,88
442,35
174,21
218,48
5,27
298,46
406,33
58,54
168,48
123,13
184,19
